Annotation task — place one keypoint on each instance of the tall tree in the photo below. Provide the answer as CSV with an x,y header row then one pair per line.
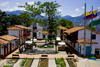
x,y
66,23
52,16
3,23
26,19
15,19
93,28
32,11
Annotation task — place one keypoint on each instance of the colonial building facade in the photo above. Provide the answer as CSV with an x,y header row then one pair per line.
x,y
75,39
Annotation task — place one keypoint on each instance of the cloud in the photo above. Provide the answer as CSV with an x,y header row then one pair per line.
x,y
31,2
14,9
4,3
60,10
77,10
83,7
74,15
98,7
17,3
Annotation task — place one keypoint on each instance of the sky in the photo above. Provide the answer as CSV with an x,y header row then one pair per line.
x,y
68,7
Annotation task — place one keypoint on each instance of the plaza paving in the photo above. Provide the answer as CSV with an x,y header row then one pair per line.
x,y
37,52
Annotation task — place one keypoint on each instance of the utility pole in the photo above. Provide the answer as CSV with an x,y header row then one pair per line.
x,y
91,31
85,31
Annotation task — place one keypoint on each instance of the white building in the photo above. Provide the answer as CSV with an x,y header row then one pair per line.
x,y
37,31
8,44
60,32
19,31
75,37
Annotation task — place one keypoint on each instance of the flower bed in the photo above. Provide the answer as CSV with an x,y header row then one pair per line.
x,y
71,64
13,61
60,62
28,63
7,66
43,62
23,62
42,46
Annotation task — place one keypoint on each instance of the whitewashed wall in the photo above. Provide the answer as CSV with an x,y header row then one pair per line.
x,y
39,30
58,33
88,36
82,48
2,50
13,32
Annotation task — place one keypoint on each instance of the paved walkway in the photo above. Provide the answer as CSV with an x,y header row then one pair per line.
x,y
18,63
67,65
3,62
52,63
35,63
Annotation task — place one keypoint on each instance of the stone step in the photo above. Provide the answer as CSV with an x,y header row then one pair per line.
x,y
67,65
18,63
52,63
35,63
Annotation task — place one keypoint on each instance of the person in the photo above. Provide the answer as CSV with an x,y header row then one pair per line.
x,y
25,47
22,49
35,44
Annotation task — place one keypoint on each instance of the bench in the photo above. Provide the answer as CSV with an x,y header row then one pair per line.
x,y
70,55
15,56
44,55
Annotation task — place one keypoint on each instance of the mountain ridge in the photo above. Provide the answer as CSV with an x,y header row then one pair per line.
x,y
77,21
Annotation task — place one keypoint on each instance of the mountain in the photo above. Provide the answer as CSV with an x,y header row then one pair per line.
x,y
66,17
77,21
17,12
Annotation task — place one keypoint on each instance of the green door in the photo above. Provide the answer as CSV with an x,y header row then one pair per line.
x,y
43,36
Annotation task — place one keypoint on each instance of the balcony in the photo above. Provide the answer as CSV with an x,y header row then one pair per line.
x,y
27,34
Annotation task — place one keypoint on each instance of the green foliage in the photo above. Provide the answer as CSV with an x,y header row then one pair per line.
x,y
23,62
60,62
3,22
15,19
31,12
93,57
7,66
93,28
71,64
52,16
51,46
28,63
66,23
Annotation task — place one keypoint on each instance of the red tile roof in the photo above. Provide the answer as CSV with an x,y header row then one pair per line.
x,y
8,38
61,27
3,42
74,29
87,41
16,27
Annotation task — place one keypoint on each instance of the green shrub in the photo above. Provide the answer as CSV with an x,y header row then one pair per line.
x,y
60,62
23,62
39,46
93,57
7,66
51,46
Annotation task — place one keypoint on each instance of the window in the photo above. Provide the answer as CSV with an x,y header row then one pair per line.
x,y
93,36
39,33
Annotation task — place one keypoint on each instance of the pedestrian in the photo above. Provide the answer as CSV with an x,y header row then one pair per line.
x,y
25,47
35,44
